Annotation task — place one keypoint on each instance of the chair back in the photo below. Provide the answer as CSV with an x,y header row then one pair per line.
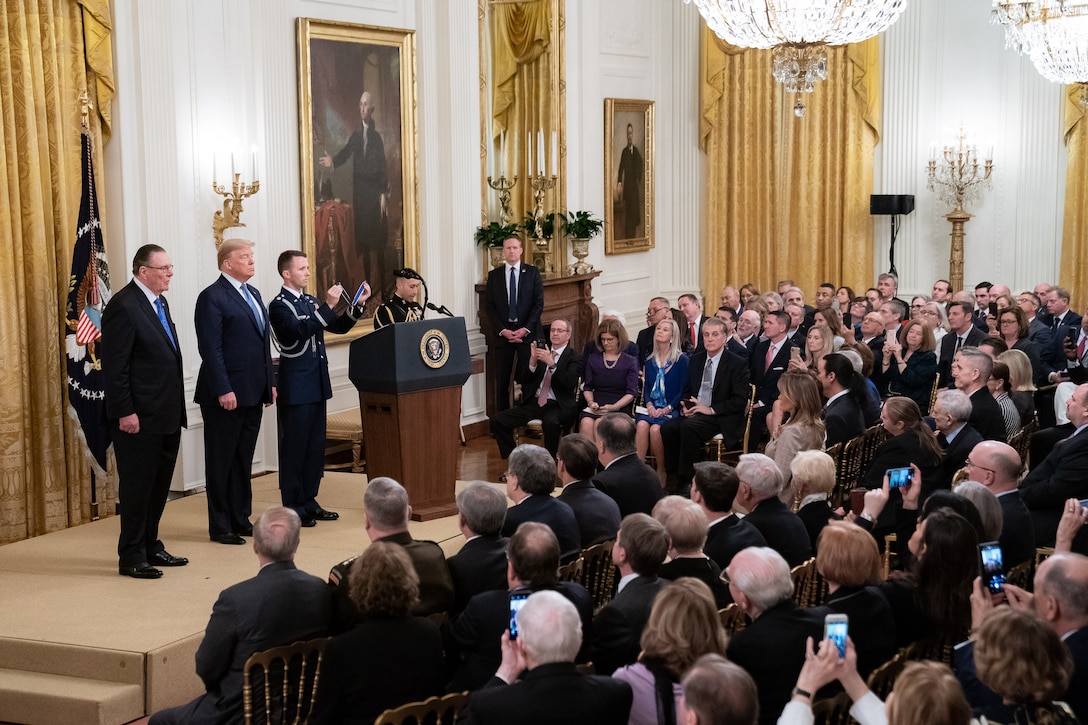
x,y
443,710
1021,441
809,587
279,684
838,494
872,439
849,468
715,447
571,572
598,574
933,393
732,618
882,679
1022,575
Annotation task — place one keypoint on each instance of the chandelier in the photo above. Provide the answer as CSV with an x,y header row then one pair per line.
x,y
799,31
1053,33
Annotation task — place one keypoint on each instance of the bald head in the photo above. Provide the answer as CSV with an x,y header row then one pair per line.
x,y
1061,592
995,465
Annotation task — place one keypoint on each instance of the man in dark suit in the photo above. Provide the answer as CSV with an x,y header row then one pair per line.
x,y
872,334
141,366
514,299
537,682
632,484
234,384
772,647
597,513
714,487
749,324
629,189
658,309
997,467
713,401
299,322
758,493
278,606
766,365
480,565
472,638
963,333
640,549
957,439
714,686
691,329
1057,305
842,415
402,306
529,484
971,370
551,392
1060,476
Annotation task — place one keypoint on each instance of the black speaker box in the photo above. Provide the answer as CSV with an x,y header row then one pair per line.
x,y
891,204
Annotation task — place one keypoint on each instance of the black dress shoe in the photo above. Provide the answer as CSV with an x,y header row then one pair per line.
x,y
140,571
164,558
323,515
308,521
248,531
229,539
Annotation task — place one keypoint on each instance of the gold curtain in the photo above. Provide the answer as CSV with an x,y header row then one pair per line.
x,y
787,196
1075,225
54,50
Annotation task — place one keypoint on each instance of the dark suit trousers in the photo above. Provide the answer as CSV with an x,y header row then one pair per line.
x,y
504,422
302,455
513,360
683,438
230,437
145,465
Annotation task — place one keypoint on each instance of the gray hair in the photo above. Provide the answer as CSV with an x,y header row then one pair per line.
x,y
616,314
549,628
855,360
1071,593
763,575
484,508
720,692
989,508
761,473
979,360
386,503
956,403
276,534
534,468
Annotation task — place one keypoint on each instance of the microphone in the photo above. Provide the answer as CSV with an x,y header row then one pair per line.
x,y
439,309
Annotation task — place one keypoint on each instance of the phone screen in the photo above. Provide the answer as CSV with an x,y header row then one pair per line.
x,y
899,477
517,601
991,566
993,309
835,629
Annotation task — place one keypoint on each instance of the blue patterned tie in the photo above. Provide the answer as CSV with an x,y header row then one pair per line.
x,y
162,318
253,306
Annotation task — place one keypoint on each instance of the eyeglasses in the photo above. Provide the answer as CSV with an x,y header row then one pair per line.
x,y
975,465
654,311
165,268
917,307
724,577
930,313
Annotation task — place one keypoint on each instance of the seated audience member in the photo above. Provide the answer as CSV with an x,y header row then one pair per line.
x,y
1013,328
985,502
386,510
537,682
746,336
797,328
799,399
730,299
860,357
910,441
843,389
859,307
713,401
772,647
871,333
813,477
748,292
356,689
933,316
611,381
1062,475
844,295
529,484
278,606
758,493
769,360
955,436
818,342
657,309
909,365
480,565
971,370
666,372
472,638
639,551
1000,386
633,485
597,514
683,626
630,347
551,388
718,692
693,318
962,333
997,467
848,558
714,487
772,301
685,524
1023,389
993,346
832,320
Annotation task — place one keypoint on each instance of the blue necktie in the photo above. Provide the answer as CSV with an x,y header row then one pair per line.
x,y
513,311
162,318
253,306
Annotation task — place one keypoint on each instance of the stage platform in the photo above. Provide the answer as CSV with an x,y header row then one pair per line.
x,y
81,644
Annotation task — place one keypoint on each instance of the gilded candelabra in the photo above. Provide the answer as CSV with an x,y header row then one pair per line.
x,y
958,177
503,186
542,245
230,215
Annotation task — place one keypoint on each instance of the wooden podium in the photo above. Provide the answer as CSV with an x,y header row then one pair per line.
x,y
409,378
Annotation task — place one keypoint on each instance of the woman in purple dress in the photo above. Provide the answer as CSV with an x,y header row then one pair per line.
x,y
611,377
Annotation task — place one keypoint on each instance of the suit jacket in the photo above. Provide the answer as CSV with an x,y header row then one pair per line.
x,y
549,694
597,513
705,570
986,415
299,324
480,566
843,420
783,530
530,300
955,456
1017,532
685,336
729,536
766,378
618,627
729,395
948,350
632,484
140,366
741,350
871,624
772,650
546,510
897,452
815,517
568,372
234,351
1060,476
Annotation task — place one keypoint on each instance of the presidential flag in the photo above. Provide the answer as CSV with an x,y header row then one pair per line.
x,y
88,293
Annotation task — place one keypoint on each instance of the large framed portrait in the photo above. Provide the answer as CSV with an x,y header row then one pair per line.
x,y
629,175
357,140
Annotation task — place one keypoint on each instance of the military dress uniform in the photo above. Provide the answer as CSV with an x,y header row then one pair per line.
x,y
299,323
397,310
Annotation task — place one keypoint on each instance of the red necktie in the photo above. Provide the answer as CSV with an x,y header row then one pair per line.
x,y
691,329
1080,347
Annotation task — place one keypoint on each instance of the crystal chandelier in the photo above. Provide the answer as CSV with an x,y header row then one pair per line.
x,y
799,31
1053,33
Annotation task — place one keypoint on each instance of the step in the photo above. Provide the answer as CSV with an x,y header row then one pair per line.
x,y
48,699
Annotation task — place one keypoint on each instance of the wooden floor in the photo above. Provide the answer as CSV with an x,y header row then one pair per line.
x,y
479,460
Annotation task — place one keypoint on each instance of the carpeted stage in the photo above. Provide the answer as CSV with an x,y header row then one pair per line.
x,y
81,644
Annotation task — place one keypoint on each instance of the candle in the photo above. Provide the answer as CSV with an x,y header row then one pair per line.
x,y
555,152
517,161
530,158
502,153
989,153
215,173
253,152
933,152
540,152
232,165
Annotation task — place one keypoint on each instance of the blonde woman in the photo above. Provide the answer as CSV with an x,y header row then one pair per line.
x,y
666,371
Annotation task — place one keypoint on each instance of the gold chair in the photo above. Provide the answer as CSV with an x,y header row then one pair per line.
x,y
1022,575
714,449
882,679
849,469
933,391
732,618
571,572
443,710
347,425
959,477
1021,441
1042,553
597,574
838,495
809,587
872,439
284,689
891,559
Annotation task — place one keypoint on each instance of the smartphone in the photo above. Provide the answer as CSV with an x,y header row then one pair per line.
x,y
899,477
835,629
517,601
1084,503
991,566
993,309
795,353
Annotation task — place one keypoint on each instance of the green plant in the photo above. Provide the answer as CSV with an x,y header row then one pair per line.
x,y
583,225
547,227
494,234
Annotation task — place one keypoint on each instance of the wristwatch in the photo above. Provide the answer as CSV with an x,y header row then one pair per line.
x,y
803,693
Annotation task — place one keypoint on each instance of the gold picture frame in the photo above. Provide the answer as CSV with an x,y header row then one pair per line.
x,y
360,220
629,202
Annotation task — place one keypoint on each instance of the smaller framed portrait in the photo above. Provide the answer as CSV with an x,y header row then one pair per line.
x,y
434,348
629,175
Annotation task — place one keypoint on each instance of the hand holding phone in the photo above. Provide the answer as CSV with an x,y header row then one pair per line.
x,y
991,566
835,629
900,477
517,601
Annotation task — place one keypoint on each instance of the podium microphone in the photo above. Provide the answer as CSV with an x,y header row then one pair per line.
x,y
440,309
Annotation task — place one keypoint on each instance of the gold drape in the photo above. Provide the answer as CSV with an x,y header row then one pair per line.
x,y
54,49
1075,226
787,197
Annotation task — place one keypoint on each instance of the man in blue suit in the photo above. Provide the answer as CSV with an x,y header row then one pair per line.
x,y
299,322
515,299
234,383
